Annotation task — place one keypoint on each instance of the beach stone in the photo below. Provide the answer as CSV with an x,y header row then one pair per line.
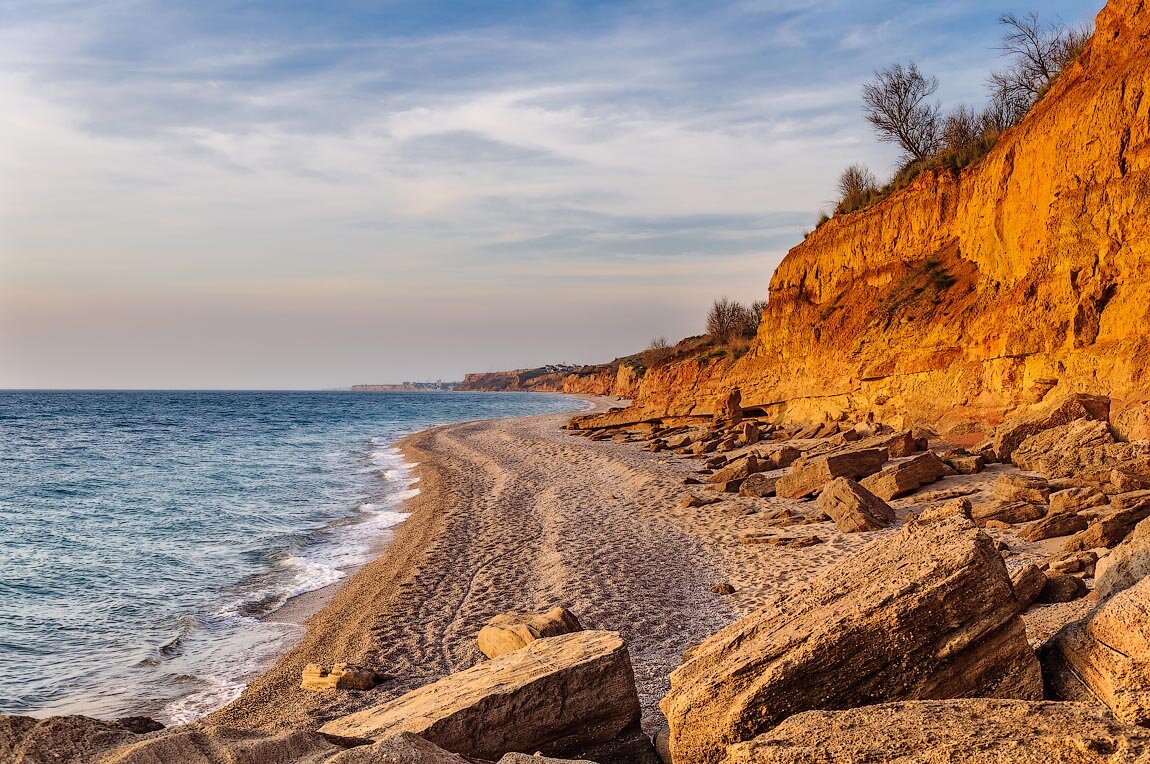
x,y
1007,513
966,464
206,744
693,502
906,477
780,457
1107,531
760,484
1014,486
1124,482
557,695
960,507
967,731
58,739
724,588
513,631
340,676
522,758
808,476
1130,499
1071,500
1060,587
854,508
1106,655
928,612
1010,435
404,748
1127,564
738,469
1027,582
1052,526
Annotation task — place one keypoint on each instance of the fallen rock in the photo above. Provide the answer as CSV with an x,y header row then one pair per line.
x,y
966,464
404,748
982,731
807,477
724,588
956,508
906,477
1107,531
1076,499
513,631
1008,513
1076,562
1083,449
854,508
780,457
556,695
1105,655
1028,582
204,744
928,612
1130,500
1125,482
1127,564
1014,486
729,410
691,501
753,538
522,758
1061,587
1010,435
62,739
738,469
1053,526
760,484
340,676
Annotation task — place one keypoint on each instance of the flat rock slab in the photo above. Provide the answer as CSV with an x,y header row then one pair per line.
x,y
906,477
928,612
853,508
1107,655
805,478
1126,565
556,695
1010,435
951,732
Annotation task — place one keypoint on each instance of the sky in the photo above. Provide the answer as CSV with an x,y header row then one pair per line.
x,y
299,194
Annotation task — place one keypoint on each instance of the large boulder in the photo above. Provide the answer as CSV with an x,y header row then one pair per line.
x,y
1015,486
928,612
982,731
1072,500
808,476
559,695
1107,530
1028,582
58,739
739,469
513,631
906,477
1010,435
1127,564
205,744
854,508
1052,526
1106,655
1062,451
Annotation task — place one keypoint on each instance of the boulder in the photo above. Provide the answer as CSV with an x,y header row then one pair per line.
x,y
760,484
58,739
340,676
928,612
1028,582
1053,526
205,744
404,748
1107,531
522,758
1124,482
513,631
906,477
729,411
558,695
981,731
956,508
1006,512
1073,500
780,457
808,476
1106,655
723,588
1130,499
738,469
966,464
1014,486
854,508
1084,450
1010,435
1127,564
1060,587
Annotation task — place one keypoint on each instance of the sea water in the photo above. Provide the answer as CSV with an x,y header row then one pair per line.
x,y
146,537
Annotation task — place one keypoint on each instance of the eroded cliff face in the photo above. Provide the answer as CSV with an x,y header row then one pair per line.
x,y
619,379
965,297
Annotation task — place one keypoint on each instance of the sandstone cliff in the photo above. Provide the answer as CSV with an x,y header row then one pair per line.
x,y
966,297
620,378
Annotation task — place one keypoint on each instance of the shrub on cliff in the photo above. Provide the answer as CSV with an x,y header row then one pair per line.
x,y
657,353
857,187
729,320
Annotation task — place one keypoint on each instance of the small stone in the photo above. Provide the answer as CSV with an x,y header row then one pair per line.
x,y
724,588
341,676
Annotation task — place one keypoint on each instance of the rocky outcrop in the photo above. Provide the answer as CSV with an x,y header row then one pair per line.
x,y
951,732
58,739
854,508
559,695
907,477
926,613
809,475
1010,435
969,298
404,748
1106,656
511,631
197,744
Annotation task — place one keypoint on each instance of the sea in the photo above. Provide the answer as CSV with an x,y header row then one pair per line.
x,y
147,539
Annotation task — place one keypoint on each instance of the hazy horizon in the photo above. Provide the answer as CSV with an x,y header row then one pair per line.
x,y
310,196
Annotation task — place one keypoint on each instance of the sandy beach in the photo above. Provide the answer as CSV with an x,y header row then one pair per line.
x,y
519,514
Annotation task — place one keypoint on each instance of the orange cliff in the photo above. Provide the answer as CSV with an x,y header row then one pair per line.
x,y
617,378
966,297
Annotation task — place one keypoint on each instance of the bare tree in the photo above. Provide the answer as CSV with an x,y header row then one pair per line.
x,y
657,352
729,320
961,129
856,186
1037,53
896,105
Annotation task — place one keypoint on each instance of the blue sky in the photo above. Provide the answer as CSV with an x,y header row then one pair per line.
x,y
305,194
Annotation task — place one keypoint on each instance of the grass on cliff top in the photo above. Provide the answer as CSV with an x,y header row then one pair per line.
x,y
929,279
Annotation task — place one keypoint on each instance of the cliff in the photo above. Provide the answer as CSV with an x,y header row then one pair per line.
x,y
620,378
966,297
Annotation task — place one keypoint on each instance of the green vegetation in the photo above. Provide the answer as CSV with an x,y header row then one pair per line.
x,y
930,278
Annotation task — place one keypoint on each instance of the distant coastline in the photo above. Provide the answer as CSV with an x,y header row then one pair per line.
x,y
407,387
